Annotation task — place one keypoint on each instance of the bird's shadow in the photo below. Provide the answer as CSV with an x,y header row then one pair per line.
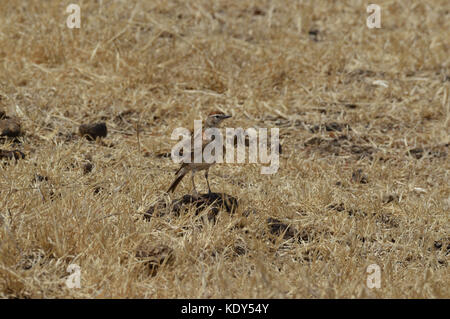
x,y
216,201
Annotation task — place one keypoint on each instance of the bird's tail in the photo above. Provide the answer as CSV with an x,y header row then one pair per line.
x,y
175,183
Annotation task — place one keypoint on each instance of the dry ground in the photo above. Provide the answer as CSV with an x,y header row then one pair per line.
x,y
306,67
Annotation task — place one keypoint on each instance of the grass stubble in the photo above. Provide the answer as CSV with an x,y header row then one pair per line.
x,y
363,175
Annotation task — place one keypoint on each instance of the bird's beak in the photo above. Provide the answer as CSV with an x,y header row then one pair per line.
x,y
226,116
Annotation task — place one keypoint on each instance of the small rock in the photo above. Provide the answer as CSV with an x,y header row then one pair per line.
x,y
258,12
87,168
416,152
166,34
92,131
314,34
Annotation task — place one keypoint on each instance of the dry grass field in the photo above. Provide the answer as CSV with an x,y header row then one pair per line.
x,y
364,175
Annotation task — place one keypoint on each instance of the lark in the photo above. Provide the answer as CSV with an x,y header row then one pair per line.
x,y
212,121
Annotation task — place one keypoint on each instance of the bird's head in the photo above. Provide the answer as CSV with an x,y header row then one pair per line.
x,y
215,118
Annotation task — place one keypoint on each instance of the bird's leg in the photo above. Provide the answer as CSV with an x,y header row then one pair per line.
x,y
207,181
195,194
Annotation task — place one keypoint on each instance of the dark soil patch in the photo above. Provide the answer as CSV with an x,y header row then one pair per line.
x,y
438,151
8,155
340,146
92,131
215,201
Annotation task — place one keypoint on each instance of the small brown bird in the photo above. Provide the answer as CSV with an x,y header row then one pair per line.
x,y
212,121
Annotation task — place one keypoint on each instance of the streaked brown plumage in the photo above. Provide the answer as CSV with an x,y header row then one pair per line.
x,y
213,120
